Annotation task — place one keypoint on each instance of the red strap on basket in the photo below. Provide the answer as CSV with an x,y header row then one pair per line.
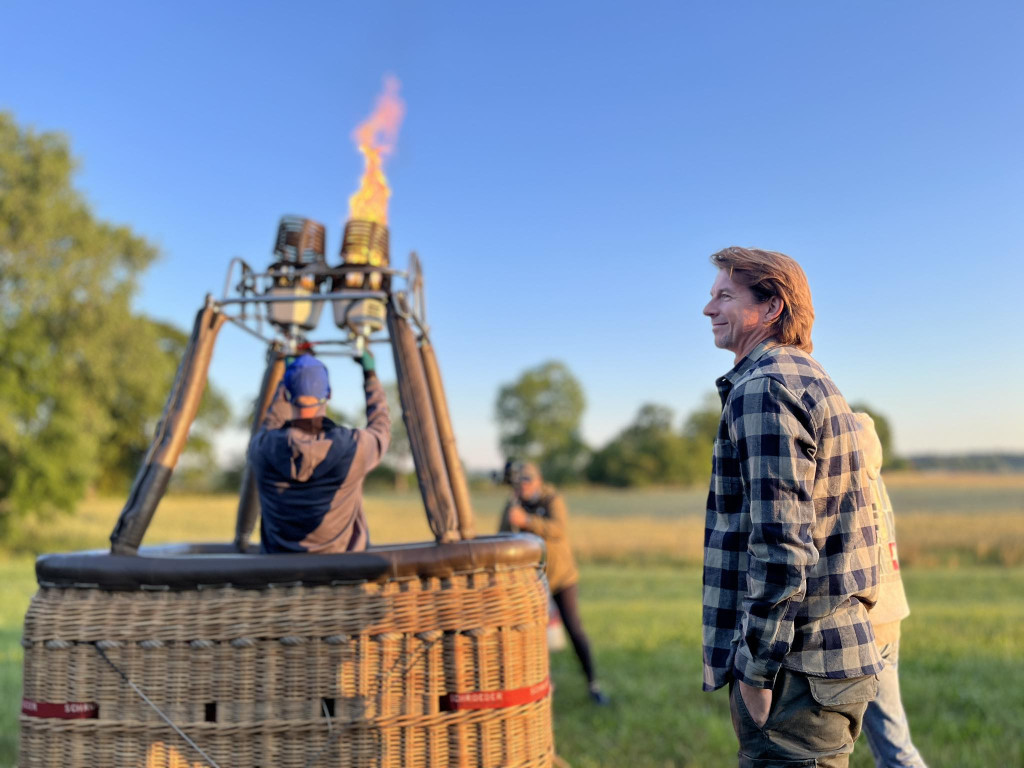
x,y
453,702
68,710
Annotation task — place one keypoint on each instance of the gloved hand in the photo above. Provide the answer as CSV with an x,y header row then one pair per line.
x,y
366,361
304,348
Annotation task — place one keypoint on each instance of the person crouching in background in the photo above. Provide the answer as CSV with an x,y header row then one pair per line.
x,y
538,508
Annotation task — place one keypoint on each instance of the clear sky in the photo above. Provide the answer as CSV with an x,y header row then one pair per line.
x,y
565,169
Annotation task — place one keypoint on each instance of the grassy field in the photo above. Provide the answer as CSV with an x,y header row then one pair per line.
x,y
962,660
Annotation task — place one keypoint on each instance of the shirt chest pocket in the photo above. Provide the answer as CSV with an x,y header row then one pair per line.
x,y
726,471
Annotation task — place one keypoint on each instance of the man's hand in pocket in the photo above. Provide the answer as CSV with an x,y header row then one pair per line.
x,y
758,702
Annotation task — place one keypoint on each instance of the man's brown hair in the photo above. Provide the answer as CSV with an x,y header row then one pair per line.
x,y
767,274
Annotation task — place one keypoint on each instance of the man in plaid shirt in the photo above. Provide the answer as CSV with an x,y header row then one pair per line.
x,y
790,563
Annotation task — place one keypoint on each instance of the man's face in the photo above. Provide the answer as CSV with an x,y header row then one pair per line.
x,y
737,319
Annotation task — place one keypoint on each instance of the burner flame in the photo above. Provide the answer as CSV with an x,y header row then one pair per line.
x,y
376,138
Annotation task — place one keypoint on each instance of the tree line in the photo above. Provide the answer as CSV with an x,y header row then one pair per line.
x,y
539,415
84,376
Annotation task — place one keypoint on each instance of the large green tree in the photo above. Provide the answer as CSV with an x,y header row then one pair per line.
x,y
646,452
650,451
701,429
139,401
538,418
82,377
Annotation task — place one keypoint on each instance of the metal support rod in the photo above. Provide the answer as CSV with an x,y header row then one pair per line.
x,y
241,324
171,433
418,414
249,499
456,477
306,298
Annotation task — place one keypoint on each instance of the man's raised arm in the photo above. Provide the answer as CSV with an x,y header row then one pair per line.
x,y
376,436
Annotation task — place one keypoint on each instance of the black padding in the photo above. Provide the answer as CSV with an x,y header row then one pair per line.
x,y
248,508
421,428
195,566
171,432
149,488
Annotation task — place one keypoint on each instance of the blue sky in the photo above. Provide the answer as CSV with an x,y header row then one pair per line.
x,y
565,169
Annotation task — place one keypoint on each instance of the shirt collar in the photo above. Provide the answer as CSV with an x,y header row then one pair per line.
x,y
314,424
728,381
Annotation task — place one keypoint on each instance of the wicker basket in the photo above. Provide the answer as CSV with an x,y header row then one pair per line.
x,y
405,656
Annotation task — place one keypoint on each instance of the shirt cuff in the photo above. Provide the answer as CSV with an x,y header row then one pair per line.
x,y
757,673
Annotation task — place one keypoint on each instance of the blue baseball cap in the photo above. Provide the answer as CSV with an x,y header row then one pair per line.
x,y
307,376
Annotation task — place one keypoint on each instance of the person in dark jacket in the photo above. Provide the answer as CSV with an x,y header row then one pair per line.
x,y
309,471
539,509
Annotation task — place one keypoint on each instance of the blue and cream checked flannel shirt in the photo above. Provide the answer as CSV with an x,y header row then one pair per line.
x,y
790,563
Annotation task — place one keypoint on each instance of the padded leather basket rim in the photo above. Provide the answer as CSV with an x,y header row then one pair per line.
x,y
212,565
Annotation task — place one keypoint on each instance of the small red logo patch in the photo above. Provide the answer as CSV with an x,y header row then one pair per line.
x,y
66,710
452,702
892,554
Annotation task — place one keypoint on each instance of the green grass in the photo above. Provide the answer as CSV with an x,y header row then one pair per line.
x,y
961,666
961,661
17,584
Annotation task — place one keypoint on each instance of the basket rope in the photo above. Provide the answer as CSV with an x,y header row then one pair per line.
x,y
383,678
331,733
156,709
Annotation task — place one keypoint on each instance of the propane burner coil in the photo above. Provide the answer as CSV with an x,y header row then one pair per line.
x,y
364,244
298,252
300,241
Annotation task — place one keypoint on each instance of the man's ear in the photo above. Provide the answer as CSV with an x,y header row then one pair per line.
x,y
774,310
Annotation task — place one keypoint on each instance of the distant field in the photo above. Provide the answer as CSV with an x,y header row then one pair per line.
x,y
962,663
941,520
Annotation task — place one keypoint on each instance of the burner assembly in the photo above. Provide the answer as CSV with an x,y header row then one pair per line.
x,y
282,306
364,249
421,655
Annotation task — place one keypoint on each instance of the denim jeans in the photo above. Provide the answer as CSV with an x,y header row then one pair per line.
x,y
885,722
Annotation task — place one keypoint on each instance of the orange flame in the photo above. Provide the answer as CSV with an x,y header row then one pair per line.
x,y
159,755
376,139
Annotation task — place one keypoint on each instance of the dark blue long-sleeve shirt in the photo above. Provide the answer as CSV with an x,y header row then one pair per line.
x,y
309,473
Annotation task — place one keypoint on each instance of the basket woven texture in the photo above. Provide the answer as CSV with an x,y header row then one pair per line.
x,y
297,676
